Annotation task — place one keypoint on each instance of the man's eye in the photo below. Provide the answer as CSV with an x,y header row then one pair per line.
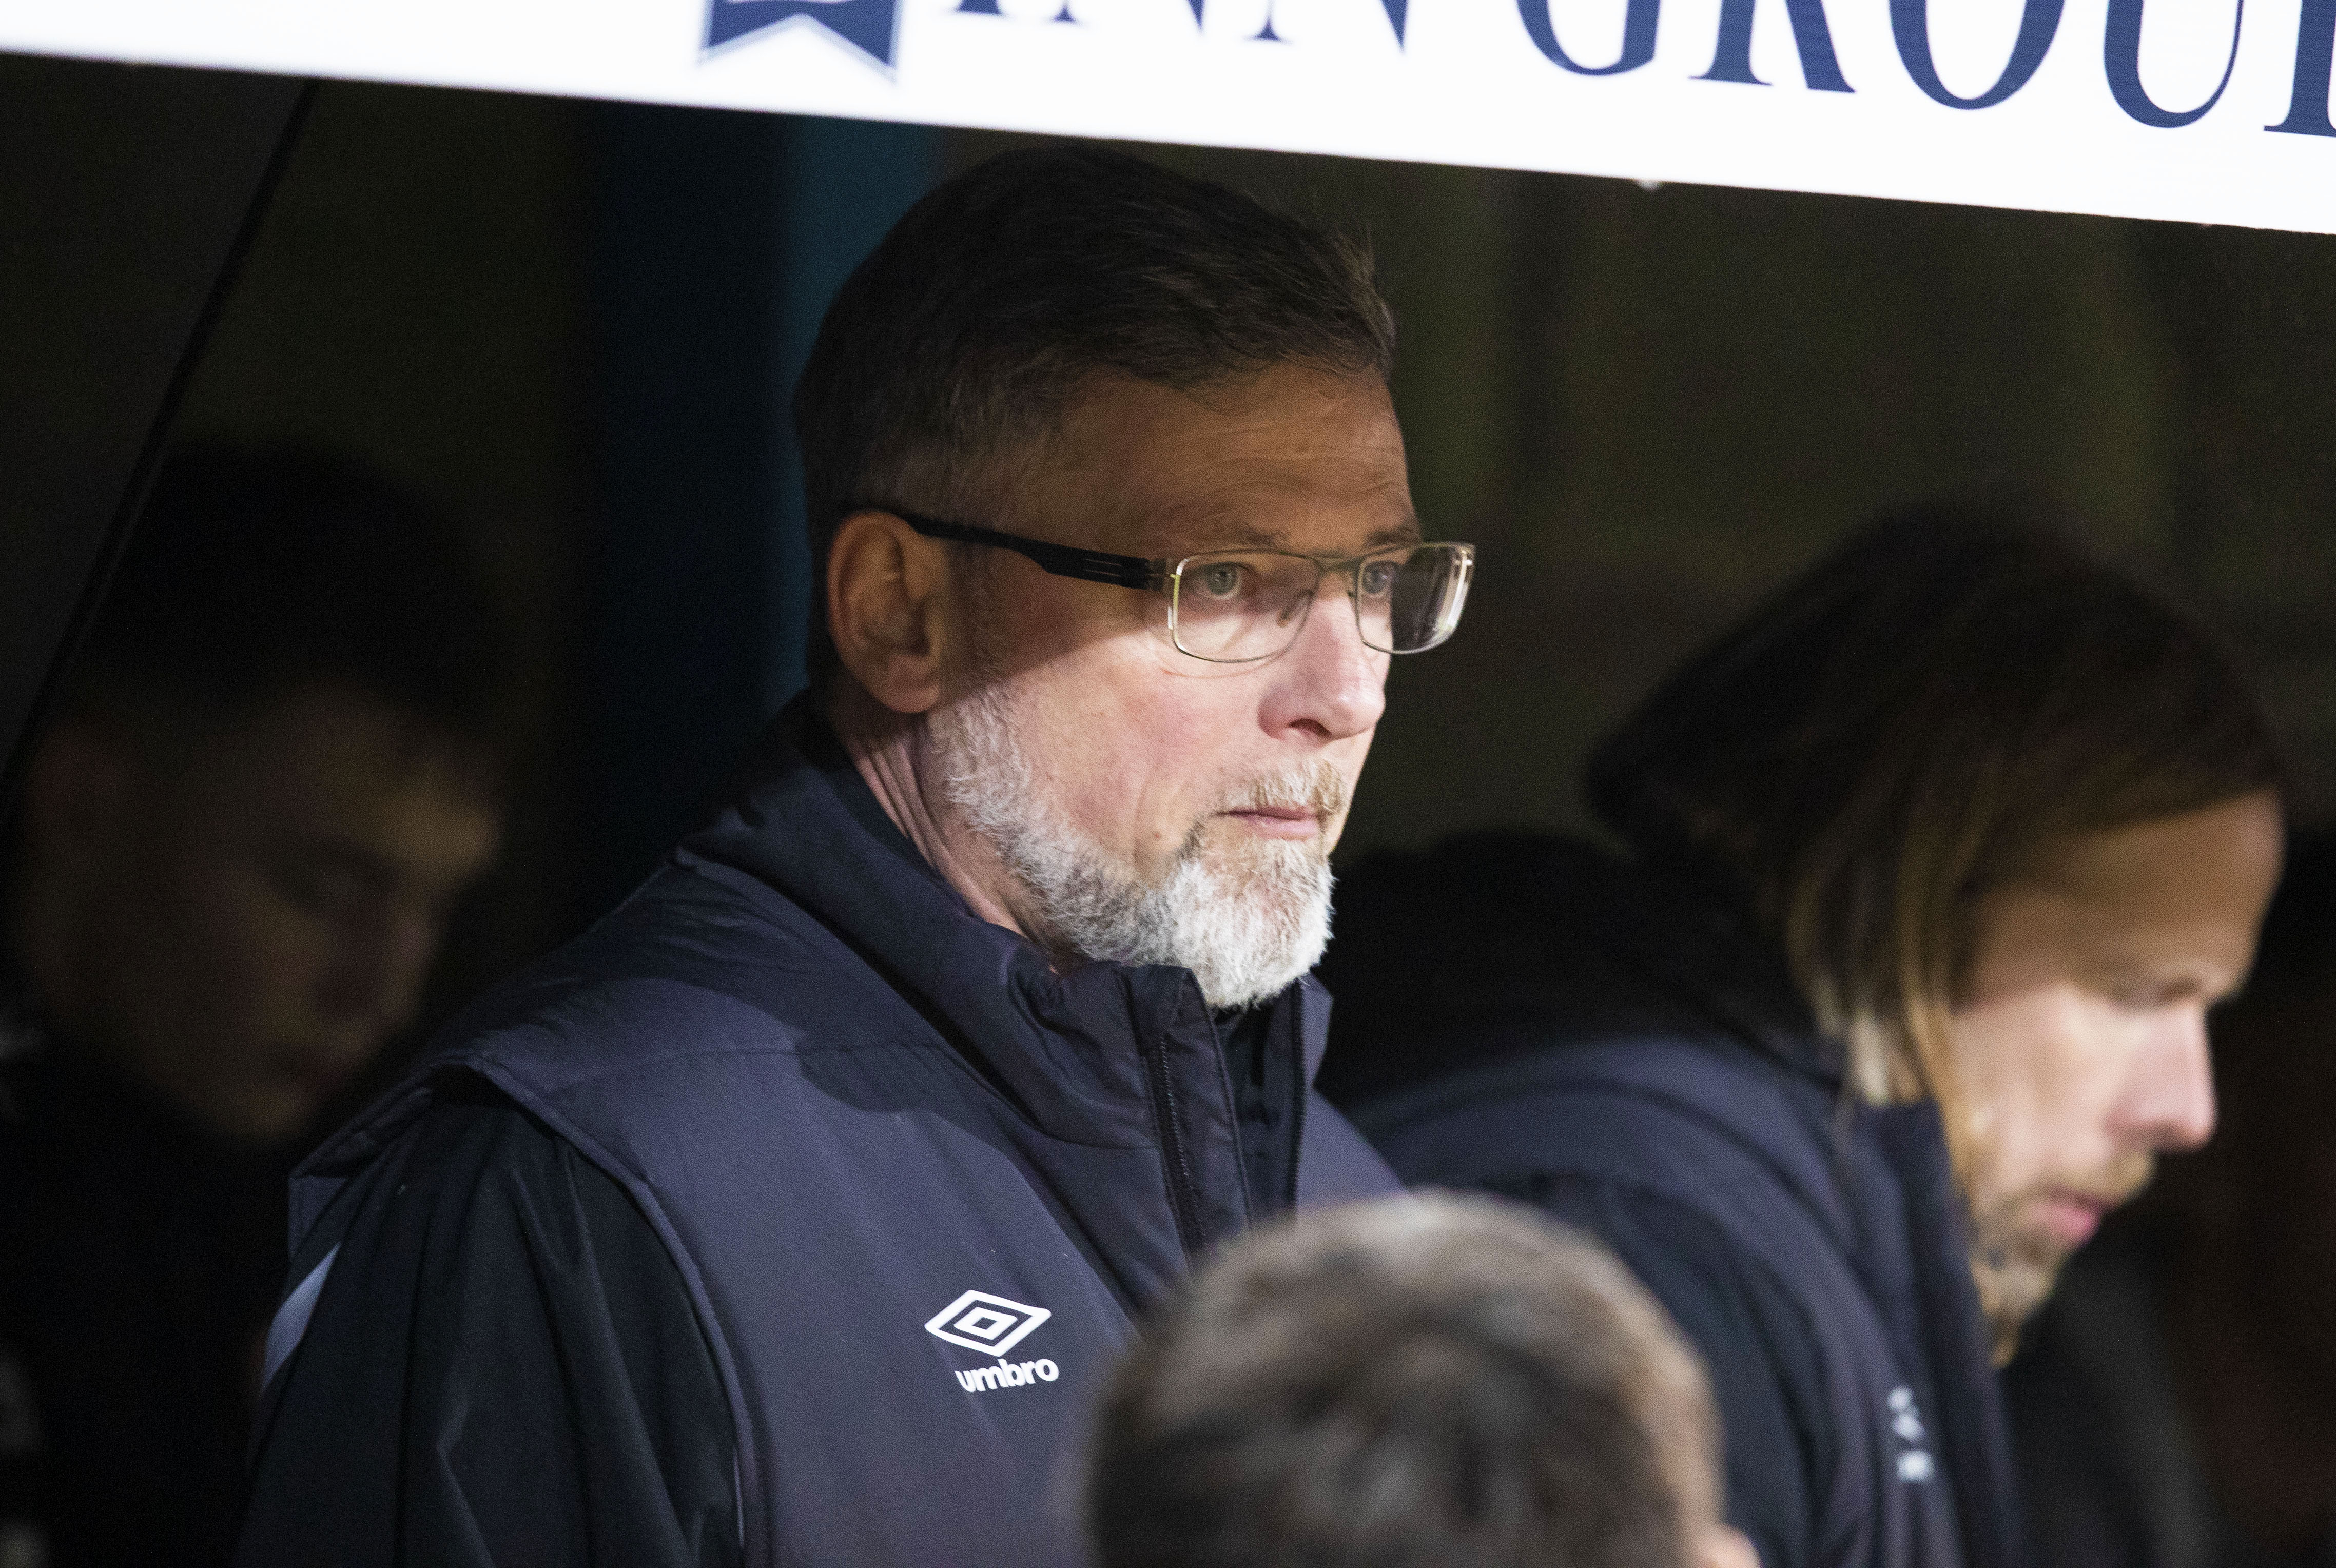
x,y
1221,579
1378,578
2152,996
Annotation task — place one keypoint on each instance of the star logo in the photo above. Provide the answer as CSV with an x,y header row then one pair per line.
x,y
871,27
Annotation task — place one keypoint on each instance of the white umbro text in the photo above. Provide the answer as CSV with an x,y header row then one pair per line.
x,y
1007,1374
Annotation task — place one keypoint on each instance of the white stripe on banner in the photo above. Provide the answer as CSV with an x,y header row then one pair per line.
x,y
2211,110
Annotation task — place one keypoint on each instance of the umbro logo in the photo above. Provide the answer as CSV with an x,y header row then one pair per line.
x,y
993,1325
981,1321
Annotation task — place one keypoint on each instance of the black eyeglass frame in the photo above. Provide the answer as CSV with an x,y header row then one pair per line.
x,y
1153,574
1055,560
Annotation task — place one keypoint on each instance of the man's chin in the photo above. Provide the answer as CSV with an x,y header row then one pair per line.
x,y
262,1112
1239,855
1250,918
2017,1260
2012,1286
2018,1246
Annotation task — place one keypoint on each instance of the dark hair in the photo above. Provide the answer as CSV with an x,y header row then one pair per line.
x,y
964,334
255,572
1900,731
1420,1382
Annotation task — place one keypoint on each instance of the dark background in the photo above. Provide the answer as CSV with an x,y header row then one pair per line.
x,y
576,324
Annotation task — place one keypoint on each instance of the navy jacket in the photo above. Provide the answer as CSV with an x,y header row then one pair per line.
x,y
912,1184
1532,1018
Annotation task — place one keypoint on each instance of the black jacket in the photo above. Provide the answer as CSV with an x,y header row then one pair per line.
x,y
1529,1015
794,1127
139,1259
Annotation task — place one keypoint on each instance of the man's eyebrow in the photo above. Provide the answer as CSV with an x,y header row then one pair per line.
x,y
1227,533
1404,532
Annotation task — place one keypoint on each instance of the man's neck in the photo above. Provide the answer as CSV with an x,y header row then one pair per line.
x,y
894,755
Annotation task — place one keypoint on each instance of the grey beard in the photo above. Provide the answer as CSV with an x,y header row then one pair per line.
x,y
1245,929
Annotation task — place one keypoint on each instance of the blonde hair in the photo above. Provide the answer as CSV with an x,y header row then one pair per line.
x,y
1900,731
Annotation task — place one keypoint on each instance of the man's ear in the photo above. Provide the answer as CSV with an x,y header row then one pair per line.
x,y
888,608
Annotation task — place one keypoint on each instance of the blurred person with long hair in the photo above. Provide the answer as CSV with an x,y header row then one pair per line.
x,y
1934,864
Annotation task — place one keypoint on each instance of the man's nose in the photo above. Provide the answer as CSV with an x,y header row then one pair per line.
x,y
1329,682
2171,1104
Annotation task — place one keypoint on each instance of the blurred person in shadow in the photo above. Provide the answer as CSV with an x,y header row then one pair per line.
x,y
233,859
1934,864
2174,1404
1432,1381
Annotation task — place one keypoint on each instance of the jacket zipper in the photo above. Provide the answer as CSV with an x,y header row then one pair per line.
x,y
1296,1126
1176,1166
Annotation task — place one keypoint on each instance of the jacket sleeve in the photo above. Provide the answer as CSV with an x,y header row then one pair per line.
x,y
1757,1346
502,1367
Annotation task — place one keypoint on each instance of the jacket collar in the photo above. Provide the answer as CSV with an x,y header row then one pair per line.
x,y
1687,940
1493,945
1058,1045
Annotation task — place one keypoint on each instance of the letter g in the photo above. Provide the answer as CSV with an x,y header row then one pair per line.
x,y
1638,36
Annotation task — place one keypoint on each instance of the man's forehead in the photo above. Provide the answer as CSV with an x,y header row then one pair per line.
x,y
330,752
1296,523
1291,458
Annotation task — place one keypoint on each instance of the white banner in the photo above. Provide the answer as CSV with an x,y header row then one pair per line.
x,y
2209,110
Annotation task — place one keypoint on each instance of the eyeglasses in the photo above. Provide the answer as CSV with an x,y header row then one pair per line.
x,y
1240,606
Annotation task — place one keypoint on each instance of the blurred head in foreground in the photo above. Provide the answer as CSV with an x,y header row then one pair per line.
x,y
1419,1382
268,781
2013,822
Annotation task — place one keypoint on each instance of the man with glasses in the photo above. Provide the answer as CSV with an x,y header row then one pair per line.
x,y
793,1214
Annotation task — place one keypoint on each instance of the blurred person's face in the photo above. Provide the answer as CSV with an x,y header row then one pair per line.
x,y
1115,798
2080,1042
240,921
